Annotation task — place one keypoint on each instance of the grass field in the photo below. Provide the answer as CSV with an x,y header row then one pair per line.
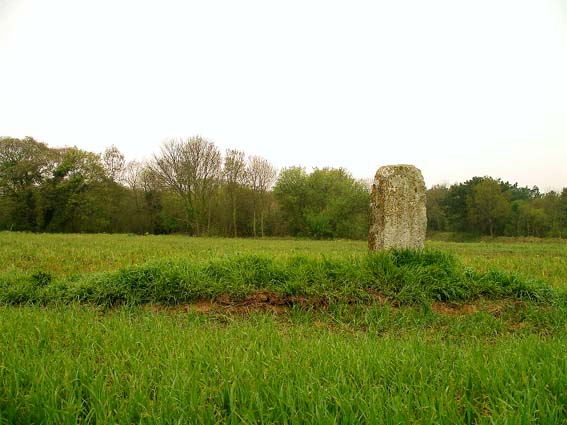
x,y
402,349
67,255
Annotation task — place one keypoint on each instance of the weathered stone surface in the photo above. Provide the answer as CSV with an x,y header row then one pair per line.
x,y
398,208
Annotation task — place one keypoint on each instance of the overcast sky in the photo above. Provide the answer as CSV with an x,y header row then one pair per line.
x,y
458,88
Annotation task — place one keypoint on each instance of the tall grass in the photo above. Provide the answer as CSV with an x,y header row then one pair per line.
x,y
406,277
71,365
492,351
68,256
539,259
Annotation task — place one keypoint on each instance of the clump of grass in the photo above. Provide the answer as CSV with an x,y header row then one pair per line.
x,y
420,276
403,276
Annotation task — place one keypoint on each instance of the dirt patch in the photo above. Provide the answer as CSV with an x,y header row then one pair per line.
x,y
280,304
380,298
518,326
203,306
258,301
269,301
449,309
494,308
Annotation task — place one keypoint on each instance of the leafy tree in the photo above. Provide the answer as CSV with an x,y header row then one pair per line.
x,y
328,203
337,205
74,197
563,209
24,164
516,219
456,207
436,217
487,205
550,204
515,193
291,194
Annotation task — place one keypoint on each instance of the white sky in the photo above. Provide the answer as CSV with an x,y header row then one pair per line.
x,y
458,88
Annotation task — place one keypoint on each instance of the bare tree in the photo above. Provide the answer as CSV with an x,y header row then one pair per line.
x,y
170,165
234,174
261,175
190,168
132,174
114,163
205,173
133,178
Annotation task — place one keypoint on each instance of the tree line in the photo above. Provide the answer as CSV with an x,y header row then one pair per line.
x,y
190,187
484,205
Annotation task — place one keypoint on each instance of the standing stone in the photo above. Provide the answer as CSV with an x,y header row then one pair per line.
x,y
398,208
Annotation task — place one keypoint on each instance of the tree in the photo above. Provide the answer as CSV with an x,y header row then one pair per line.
x,y
261,176
487,206
436,198
24,165
75,197
337,205
141,185
515,192
80,183
114,163
234,173
563,209
206,173
550,205
455,205
172,166
153,194
328,203
290,192
189,168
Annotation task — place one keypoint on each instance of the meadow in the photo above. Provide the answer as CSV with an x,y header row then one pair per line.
x,y
67,255
280,331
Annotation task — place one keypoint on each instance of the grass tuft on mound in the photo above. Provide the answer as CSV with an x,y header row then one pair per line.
x,y
402,276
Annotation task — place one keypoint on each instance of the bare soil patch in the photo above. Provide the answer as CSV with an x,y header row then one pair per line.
x,y
258,301
265,301
493,307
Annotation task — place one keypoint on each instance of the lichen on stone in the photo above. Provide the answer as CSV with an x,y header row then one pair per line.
x,y
399,217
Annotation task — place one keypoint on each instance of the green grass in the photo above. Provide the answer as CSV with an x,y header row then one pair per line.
x,y
460,333
405,277
130,366
69,255
77,255
536,258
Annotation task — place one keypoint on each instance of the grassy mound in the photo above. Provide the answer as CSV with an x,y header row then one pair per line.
x,y
402,276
